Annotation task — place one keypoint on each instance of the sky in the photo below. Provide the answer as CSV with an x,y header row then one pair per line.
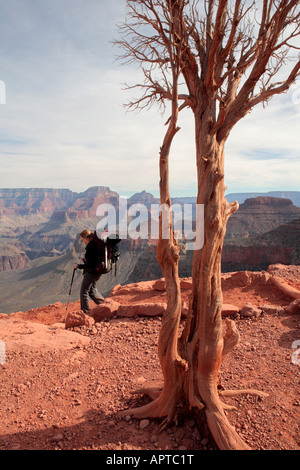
x,y
63,123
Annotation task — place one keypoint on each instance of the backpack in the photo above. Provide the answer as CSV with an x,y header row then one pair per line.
x,y
108,252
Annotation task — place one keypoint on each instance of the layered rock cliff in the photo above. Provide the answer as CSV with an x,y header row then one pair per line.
x,y
25,201
264,231
260,215
18,261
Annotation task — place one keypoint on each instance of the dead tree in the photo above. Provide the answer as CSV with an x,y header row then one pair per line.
x,y
231,57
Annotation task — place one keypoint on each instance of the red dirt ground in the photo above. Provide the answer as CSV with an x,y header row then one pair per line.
x,y
64,389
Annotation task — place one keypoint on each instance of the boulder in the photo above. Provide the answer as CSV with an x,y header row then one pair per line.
x,y
22,335
159,284
129,310
149,309
293,308
249,311
107,309
186,283
229,309
78,319
153,309
271,309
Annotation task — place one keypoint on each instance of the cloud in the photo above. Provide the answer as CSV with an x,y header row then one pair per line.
x,y
262,152
64,125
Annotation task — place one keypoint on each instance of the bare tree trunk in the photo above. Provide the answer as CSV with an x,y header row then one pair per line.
x,y
168,258
166,400
191,367
202,339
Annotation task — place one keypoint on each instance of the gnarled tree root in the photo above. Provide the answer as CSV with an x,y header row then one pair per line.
x,y
243,391
225,435
162,406
153,392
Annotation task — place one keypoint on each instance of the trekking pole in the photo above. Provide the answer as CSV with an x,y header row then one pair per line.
x,y
70,290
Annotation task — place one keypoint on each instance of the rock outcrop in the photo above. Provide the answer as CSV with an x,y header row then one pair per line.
x,y
25,201
281,245
149,298
18,261
260,215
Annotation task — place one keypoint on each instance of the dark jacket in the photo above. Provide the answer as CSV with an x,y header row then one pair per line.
x,y
91,258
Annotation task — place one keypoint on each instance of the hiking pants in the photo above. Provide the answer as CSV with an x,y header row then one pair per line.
x,y
89,290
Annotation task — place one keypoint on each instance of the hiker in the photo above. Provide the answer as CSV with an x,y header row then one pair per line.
x,y
90,276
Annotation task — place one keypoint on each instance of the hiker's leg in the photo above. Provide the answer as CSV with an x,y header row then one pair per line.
x,y
94,293
87,281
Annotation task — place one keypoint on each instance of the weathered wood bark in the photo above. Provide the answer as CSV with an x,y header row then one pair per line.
x,y
191,367
203,340
167,399
191,376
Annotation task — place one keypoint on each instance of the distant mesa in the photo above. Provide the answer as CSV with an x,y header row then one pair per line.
x,y
294,196
267,201
27,201
259,215
143,198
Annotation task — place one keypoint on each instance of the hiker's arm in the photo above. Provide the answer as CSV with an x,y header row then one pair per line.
x,y
79,266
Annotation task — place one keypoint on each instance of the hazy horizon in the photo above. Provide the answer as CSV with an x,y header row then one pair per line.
x,y
129,194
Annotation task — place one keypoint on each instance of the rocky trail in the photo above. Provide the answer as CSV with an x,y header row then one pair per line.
x,y
63,388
